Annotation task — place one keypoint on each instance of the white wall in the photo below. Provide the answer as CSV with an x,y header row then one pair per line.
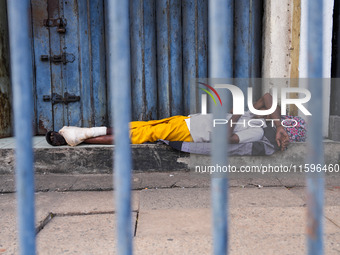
x,y
327,51
276,40
279,44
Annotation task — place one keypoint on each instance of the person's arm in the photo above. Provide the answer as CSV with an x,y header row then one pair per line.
x,y
104,139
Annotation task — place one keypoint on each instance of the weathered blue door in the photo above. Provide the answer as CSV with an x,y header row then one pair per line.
x,y
69,63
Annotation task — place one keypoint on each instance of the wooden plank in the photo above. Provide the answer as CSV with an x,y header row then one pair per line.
x,y
42,69
202,45
195,61
163,75
71,70
143,60
175,36
137,60
98,62
56,69
108,52
150,59
189,8
247,45
85,65
169,57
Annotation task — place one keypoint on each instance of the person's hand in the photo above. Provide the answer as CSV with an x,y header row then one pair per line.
x,y
282,138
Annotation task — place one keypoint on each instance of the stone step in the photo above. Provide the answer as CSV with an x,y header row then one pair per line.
x,y
97,159
90,159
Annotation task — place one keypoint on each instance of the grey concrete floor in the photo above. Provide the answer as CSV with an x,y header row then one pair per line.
x,y
267,220
171,213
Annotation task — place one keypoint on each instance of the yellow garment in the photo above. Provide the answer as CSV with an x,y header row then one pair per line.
x,y
171,129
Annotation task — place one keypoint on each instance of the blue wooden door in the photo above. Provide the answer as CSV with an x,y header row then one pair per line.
x,y
69,63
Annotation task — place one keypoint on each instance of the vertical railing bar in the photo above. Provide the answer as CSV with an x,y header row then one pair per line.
x,y
220,66
315,181
119,80
22,79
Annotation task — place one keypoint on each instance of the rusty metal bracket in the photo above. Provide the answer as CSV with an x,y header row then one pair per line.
x,y
56,98
57,59
59,22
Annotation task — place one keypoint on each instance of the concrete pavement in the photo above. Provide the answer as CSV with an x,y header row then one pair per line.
x,y
177,220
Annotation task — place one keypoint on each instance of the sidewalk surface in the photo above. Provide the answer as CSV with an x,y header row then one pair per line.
x,y
169,217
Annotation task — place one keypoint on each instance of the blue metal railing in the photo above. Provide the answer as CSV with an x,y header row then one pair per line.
x,y
221,42
22,79
119,80
221,28
315,181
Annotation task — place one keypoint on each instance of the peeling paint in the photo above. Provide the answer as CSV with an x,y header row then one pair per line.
x,y
42,126
4,44
4,65
5,89
5,115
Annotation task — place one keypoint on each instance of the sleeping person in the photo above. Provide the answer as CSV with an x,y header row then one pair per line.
x,y
194,128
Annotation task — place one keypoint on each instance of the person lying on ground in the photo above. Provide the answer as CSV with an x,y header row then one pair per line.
x,y
176,128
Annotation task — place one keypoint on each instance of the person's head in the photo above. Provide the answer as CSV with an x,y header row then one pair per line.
x,y
55,139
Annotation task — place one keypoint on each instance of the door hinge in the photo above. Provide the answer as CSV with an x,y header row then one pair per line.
x,y
59,22
57,59
56,98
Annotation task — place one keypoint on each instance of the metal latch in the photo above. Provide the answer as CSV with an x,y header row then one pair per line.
x,y
56,98
63,58
59,22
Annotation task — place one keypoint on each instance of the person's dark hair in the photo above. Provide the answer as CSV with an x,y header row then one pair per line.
x,y
55,139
